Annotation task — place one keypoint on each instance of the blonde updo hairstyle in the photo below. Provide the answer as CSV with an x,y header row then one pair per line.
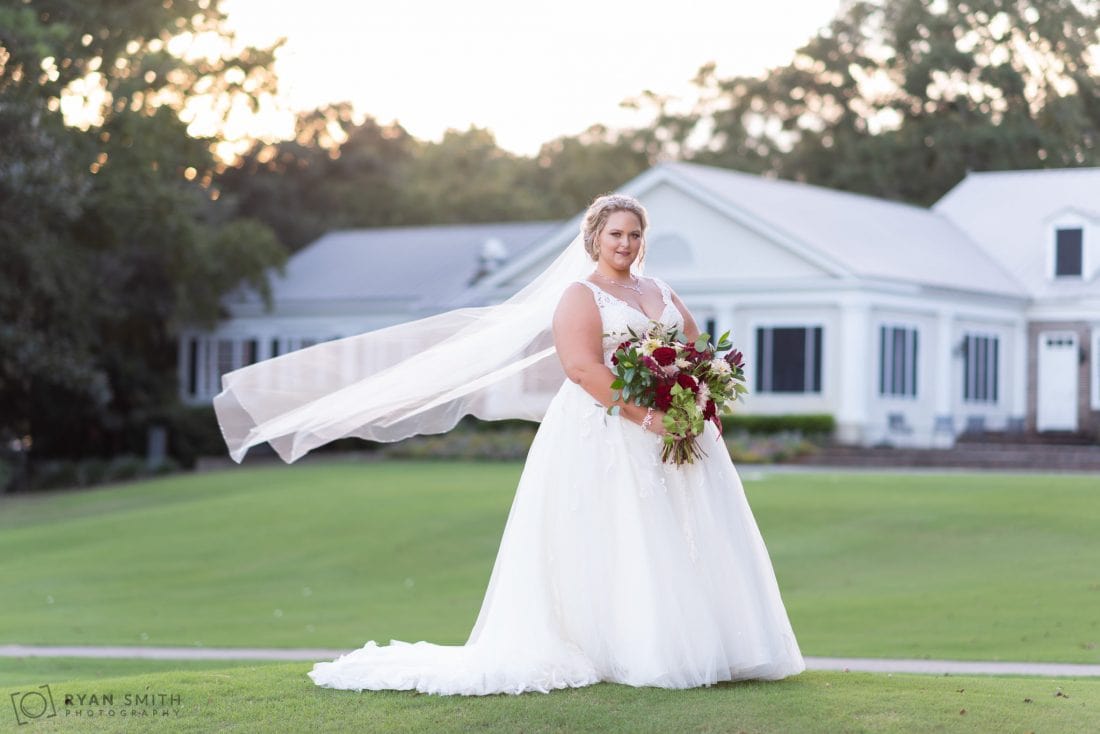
x,y
595,219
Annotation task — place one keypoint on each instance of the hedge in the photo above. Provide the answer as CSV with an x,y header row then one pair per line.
x,y
808,424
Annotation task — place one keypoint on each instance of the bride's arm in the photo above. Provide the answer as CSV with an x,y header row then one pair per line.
x,y
578,338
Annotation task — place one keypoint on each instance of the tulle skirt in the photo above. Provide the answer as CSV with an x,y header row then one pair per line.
x,y
612,567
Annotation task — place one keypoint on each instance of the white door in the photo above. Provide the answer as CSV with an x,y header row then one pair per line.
x,y
1057,381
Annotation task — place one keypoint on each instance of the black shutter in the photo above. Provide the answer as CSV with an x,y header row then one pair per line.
x,y
761,360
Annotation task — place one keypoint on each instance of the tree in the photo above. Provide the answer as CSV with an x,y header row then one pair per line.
x,y
467,177
569,171
899,98
110,229
332,174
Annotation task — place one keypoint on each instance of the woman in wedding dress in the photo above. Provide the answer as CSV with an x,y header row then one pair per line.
x,y
613,566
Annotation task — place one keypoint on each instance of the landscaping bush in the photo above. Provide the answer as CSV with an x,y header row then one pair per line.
x,y
500,443
192,432
69,473
746,448
818,425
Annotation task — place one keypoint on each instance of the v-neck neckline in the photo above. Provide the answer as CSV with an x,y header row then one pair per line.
x,y
631,306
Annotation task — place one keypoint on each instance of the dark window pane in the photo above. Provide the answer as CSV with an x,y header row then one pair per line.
x,y
1068,255
788,360
817,359
898,385
913,357
980,368
993,373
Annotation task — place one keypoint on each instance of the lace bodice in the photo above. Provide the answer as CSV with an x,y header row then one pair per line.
x,y
617,315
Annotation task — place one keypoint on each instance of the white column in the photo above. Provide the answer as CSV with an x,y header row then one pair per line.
x,y
943,419
263,346
854,362
726,323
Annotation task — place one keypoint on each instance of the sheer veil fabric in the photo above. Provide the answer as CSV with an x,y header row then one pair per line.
x,y
417,377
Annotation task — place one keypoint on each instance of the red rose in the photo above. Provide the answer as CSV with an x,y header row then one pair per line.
x,y
664,355
687,382
709,410
663,397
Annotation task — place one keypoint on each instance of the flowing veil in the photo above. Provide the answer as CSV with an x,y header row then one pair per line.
x,y
413,378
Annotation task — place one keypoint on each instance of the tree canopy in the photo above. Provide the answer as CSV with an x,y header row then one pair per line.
x,y
900,98
111,232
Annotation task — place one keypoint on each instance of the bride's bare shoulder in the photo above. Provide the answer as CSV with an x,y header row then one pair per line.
x,y
577,302
577,293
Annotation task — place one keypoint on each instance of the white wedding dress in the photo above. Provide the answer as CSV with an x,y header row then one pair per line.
x,y
612,567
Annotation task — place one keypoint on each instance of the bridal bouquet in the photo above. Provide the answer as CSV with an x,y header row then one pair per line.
x,y
689,382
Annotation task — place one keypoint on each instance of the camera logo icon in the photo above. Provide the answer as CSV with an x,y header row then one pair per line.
x,y
35,704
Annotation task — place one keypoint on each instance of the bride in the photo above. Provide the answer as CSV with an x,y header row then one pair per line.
x,y
613,566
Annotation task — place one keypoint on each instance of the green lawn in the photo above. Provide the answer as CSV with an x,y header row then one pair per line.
x,y
276,698
995,567
333,554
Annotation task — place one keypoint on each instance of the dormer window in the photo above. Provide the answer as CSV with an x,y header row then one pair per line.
x,y
1068,252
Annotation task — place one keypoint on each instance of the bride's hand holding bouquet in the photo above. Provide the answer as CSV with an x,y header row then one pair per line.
x,y
685,384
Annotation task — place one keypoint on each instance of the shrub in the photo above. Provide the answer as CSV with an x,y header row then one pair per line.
x,y
7,474
748,449
502,443
808,424
70,473
192,432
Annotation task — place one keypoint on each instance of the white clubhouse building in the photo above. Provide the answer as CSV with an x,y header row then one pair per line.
x,y
909,325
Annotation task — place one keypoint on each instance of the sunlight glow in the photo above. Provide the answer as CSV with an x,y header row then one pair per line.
x,y
528,72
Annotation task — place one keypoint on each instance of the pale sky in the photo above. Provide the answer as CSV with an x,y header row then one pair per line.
x,y
527,71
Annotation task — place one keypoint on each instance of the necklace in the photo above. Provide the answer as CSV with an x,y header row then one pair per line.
x,y
636,287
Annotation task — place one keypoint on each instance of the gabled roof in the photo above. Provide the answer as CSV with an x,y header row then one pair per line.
x,y
847,235
1009,213
867,236
418,266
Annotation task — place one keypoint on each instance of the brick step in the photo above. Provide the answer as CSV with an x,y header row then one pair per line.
x,y
1054,458
1056,438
